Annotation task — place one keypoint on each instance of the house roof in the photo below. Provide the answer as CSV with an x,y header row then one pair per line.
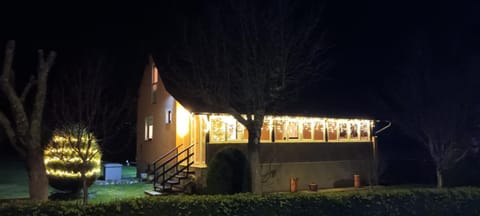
x,y
329,98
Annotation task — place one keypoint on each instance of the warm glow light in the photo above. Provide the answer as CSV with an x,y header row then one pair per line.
x,y
293,129
64,152
205,119
183,117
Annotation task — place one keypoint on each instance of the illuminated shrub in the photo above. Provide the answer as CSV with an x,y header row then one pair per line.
x,y
71,150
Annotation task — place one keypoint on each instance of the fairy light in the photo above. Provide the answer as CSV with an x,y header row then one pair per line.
x,y
338,128
66,153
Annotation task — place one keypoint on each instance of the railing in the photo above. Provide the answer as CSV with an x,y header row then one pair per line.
x,y
166,154
161,171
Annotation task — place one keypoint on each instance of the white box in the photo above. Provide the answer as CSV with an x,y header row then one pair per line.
x,y
112,171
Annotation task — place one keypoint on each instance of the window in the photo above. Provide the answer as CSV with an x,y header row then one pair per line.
x,y
364,131
279,130
217,129
319,130
343,130
231,127
226,128
168,116
242,132
354,133
148,128
332,130
307,130
292,129
312,129
154,84
265,133
288,129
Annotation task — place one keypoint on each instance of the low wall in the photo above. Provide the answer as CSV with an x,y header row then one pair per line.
x,y
326,174
328,165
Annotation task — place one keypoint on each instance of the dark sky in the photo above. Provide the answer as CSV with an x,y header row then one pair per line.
x,y
367,33
371,37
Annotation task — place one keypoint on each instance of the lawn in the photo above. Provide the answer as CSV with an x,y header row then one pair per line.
x,y
14,184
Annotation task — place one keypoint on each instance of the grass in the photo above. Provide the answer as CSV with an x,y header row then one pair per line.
x,y
14,184
107,193
14,179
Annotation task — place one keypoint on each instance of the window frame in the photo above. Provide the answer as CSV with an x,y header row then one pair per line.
x,y
154,84
149,128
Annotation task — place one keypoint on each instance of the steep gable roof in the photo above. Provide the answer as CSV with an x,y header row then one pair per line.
x,y
329,98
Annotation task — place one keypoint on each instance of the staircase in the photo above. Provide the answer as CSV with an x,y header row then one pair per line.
x,y
170,172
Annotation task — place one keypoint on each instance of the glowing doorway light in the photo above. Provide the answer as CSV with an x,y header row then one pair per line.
x,y
183,117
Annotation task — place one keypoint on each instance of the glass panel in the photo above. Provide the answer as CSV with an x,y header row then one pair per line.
x,y
292,130
150,131
241,132
149,128
245,133
265,132
154,76
231,126
154,84
343,128
354,130
332,130
364,128
217,128
307,130
279,127
146,129
319,131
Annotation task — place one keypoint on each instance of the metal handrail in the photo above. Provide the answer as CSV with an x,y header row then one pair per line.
x,y
172,167
166,154
166,170
174,156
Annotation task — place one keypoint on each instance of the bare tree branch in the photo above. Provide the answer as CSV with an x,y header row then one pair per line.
x,y
248,61
11,134
27,88
25,136
8,60
433,104
43,70
16,105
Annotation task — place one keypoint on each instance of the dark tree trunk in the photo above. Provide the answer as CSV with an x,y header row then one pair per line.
x,y
253,157
84,187
439,177
37,177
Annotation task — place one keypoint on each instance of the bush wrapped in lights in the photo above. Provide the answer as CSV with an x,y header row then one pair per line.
x,y
71,150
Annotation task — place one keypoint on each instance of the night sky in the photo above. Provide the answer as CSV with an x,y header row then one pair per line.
x,y
371,38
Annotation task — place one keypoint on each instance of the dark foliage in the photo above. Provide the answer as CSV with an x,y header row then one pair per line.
x,y
459,201
228,173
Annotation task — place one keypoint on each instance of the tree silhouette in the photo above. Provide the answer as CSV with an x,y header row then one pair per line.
x,y
432,101
246,57
83,105
24,128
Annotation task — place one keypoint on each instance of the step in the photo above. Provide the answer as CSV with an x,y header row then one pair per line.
x,y
160,187
177,188
173,181
181,176
153,193
190,172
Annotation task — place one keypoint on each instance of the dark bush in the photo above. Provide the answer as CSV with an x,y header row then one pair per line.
x,y
458,201
228,173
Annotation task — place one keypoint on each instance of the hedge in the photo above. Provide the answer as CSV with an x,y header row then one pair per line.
x,y
458,201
